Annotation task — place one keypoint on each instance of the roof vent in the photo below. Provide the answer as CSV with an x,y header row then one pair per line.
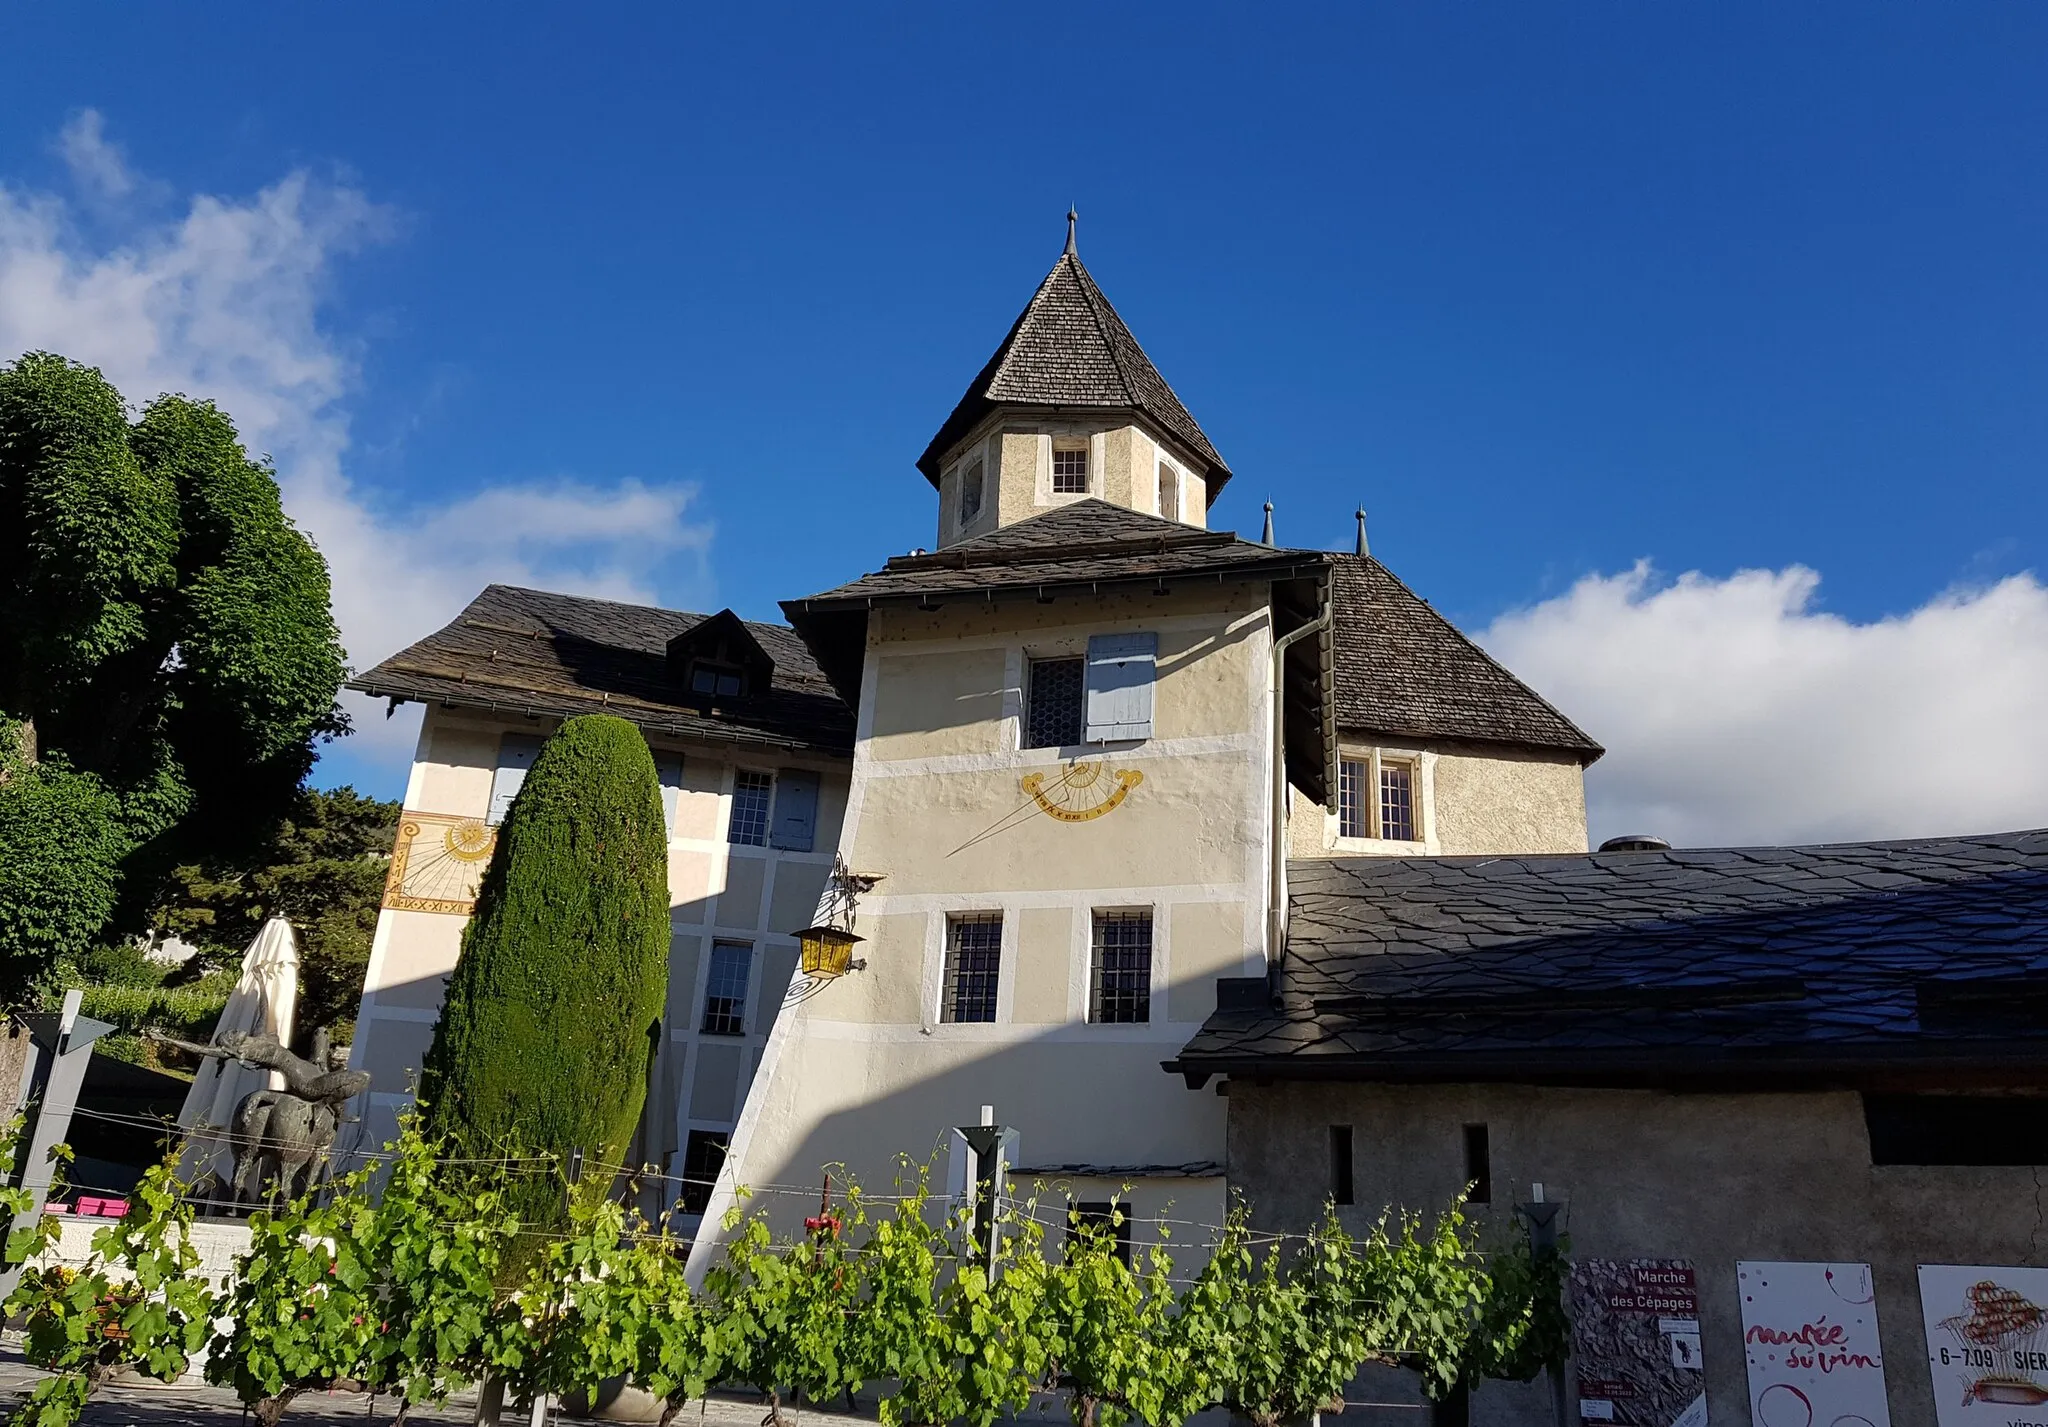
x,y
1635,842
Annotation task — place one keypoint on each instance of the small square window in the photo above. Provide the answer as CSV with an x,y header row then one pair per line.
x,y
1052,703
725,989
970,494
1397,802
1102,1218
750,794
1070,470
1351,780
703,1157
974,965
716,680
1120,991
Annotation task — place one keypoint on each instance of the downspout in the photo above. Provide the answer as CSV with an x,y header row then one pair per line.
x,y
1276,908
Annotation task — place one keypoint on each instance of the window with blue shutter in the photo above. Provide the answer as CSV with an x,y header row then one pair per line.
x,y
796,810
668,767
1120,669
515,755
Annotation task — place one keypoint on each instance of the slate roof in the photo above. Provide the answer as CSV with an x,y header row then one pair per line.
x,y
1406,671
1085,547
1850,963
531,652
1086,542
1068,349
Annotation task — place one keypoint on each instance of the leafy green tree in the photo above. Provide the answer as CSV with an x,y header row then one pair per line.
x,y
167,654
608,1301
1106,1329
781,1311
559,987
1282,1331
394,1291
322,868
138,1301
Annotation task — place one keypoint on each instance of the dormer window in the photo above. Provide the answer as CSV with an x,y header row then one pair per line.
x,y
970,495
721,681
1070,468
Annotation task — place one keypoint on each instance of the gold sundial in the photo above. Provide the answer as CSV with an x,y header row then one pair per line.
x,y
438,863
1081,791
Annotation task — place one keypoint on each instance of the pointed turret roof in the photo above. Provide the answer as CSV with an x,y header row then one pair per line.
x,y
1068,348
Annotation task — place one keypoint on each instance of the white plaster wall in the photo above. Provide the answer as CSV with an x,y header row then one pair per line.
x,y
865,1069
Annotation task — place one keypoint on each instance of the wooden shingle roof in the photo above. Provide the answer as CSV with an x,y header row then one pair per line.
x,y
1404,670
532,652
1069,350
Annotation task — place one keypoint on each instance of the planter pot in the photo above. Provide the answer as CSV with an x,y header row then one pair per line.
x,y
618,1400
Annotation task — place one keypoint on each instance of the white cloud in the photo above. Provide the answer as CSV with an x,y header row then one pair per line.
x,y
226,302
1735,711
95,163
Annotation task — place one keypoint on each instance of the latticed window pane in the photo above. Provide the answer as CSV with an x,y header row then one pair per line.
x,y
1351,798
1121,990
974,964
1052,712
1070,471
970,493
750,795
725,989
1397,802
703,1157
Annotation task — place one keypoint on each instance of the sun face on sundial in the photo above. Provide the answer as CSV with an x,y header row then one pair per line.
x,y
1081,792
438,863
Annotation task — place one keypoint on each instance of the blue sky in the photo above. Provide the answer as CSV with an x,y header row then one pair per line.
x,y
665,303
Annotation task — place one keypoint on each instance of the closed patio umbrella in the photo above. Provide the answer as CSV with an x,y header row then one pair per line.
x,y
262,1004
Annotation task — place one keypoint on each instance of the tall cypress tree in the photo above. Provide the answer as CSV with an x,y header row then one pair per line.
x,y
544,1041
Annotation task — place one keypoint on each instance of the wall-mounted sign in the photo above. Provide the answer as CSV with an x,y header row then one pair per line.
x,y
1987,1344
1809,1332
1636,1339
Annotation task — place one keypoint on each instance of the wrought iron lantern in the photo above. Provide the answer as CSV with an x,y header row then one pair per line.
x,y
827,951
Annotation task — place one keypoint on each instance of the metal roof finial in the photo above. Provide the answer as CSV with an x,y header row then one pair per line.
x,y
1267,538
1361,532
1073,217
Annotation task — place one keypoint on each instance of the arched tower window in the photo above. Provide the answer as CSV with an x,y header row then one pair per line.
x,y
1169,491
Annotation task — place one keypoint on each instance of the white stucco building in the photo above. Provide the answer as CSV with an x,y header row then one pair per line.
x,y
1064,751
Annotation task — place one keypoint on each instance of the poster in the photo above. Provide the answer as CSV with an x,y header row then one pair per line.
x,y
1636,1338
1809,1332
1987,1344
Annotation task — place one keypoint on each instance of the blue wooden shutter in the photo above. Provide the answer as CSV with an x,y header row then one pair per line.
x,y
1120,668
515,755
796,811
668,767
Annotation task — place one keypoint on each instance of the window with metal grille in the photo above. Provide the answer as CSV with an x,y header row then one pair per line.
x,y
1351,798
703,1157
1120,992
970,493
1070,470
1397,802
750,797
1101,1219
974,964
1053,698
725,989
